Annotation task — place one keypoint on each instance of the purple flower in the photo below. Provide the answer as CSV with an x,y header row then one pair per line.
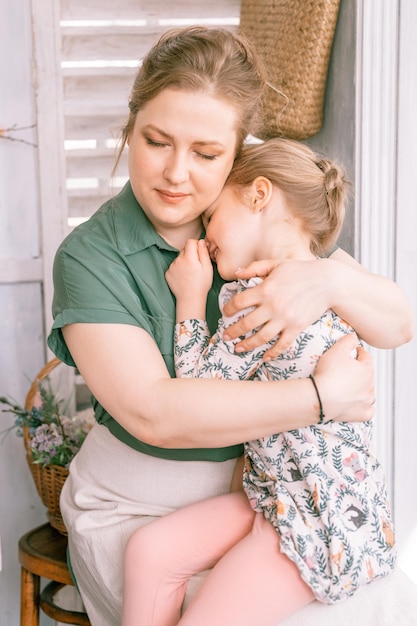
x,y
54,438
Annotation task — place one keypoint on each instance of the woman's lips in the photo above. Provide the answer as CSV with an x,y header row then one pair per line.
x,y
171,197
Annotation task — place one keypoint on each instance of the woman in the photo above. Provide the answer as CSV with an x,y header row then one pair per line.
x,y
162,443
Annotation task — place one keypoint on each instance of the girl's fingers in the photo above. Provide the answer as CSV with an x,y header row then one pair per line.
x,y
203,253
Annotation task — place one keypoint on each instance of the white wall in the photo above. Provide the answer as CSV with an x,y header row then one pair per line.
x,y
405,398
22,350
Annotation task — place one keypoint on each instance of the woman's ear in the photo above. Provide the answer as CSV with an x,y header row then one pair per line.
x,y
261,192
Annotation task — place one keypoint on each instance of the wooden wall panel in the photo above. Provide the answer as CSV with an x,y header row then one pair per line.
x,y
153,12
108,45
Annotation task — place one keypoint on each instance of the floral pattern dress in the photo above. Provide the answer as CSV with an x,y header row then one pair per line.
x,y
320,486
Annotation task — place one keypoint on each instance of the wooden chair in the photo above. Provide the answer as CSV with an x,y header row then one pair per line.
x,y
42,553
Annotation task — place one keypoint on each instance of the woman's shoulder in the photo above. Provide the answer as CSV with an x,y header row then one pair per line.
x,y
99,224
96,227
118,224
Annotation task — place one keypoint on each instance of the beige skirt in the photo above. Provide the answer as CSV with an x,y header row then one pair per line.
x,y
112,490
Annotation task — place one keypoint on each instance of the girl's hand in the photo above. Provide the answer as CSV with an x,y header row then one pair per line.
x,y
190,277
293,295
346,384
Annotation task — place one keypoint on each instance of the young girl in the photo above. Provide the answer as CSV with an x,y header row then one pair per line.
x,y
315,521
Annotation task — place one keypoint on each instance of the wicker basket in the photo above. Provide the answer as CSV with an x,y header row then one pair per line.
x,y
294,37
50,479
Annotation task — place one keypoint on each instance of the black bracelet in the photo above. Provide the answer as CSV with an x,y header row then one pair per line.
x,y
322,417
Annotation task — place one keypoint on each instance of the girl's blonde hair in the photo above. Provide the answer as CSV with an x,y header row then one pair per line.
x,y
213,60
315,188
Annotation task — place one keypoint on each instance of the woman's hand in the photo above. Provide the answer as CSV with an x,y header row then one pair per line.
x,y
345,381
190,277
293,295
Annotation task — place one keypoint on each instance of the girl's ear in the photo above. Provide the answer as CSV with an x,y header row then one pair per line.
x,y
261,192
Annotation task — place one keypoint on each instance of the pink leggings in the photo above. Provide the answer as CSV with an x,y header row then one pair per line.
x,y
251,582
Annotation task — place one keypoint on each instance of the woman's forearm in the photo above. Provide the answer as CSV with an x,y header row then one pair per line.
x,y
221,413
224,412
375,306
124,370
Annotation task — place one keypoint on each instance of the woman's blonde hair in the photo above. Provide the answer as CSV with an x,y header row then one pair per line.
x,y
213,60
315,188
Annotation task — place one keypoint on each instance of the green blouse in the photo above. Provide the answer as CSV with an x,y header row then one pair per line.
x,y
111,270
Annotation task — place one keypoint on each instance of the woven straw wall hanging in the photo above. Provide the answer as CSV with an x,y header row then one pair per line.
x,y
294,37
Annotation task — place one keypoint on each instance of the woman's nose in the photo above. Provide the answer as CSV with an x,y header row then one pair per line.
x,y
176,168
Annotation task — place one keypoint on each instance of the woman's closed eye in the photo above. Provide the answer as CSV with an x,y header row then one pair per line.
x,y
207,157
157,144
163,144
